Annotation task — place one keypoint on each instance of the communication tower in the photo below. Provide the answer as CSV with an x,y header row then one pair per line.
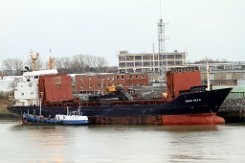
x,y
161,39
161,36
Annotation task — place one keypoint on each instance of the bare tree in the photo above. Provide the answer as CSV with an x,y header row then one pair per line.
x,y
63,64
13,65
101,62
80,64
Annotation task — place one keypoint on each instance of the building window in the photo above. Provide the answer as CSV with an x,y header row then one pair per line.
x,y
155,57
171,56
121,58
178,62
171,63
122,64
162,56
178,56
146,64
138,63
130,64
138,57
146,57
129,58
90,85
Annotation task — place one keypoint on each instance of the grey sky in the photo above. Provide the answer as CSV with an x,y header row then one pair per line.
x,y
212,28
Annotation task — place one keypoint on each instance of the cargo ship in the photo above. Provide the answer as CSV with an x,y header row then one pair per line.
x,y
186,103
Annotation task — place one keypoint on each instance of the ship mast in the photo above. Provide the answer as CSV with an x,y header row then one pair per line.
x,y
50,61
208,80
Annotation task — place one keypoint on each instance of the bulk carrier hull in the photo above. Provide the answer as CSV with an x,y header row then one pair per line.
x,y
191,108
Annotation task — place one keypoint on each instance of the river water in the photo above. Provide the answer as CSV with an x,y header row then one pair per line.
x,y
124,144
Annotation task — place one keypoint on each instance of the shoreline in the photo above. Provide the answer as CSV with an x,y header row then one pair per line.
x,y
8,116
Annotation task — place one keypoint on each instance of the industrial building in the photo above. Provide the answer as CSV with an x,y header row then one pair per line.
x,y
149,62
223,73
96,83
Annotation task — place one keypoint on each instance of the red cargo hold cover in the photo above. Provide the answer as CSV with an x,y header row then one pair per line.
x,y
56,88
182,80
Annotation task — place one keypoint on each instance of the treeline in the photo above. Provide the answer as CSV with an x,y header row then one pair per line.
x,y
81,64
75,64
210,61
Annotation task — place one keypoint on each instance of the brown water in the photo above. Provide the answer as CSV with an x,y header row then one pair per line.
x,y
131,144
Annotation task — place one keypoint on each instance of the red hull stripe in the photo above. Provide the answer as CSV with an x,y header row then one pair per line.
x,y
193,119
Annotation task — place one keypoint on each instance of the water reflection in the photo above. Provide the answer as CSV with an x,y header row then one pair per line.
x,y
121,143
193,143
190,128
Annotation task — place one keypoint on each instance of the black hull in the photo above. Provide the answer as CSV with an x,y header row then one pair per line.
x,y
189,104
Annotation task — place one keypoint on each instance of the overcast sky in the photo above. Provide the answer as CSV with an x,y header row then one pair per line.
x,y
206,28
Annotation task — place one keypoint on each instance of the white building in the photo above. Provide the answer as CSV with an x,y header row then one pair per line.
x,y
7,83
149,62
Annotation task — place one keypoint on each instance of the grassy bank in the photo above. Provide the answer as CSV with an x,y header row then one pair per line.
x,y
3,106
4,102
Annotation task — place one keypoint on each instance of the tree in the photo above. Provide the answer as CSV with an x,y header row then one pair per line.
x,y
80,64
63,64
13,65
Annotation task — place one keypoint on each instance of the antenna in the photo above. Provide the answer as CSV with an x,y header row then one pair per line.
x,y
160,8
161,36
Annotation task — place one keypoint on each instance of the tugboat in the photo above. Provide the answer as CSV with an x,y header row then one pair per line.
x,y
73,118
